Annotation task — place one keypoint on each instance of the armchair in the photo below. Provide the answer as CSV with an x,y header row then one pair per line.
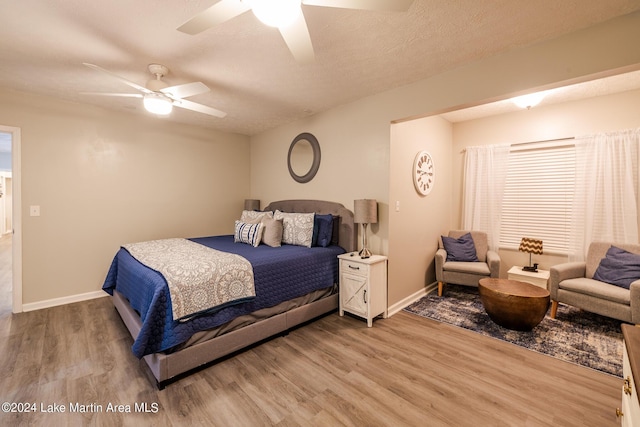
x,y
466,273
573,283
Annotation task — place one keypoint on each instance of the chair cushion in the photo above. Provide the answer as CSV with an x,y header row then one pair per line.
x,y
619,267
597,289
479,268
462,249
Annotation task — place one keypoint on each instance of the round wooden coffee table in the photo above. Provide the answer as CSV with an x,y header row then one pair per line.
x,y
513,304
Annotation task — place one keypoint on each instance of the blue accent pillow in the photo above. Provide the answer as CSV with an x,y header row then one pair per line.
x,y
461,250
322,230
618,267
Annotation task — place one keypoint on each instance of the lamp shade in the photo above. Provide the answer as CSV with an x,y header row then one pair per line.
x,y
365,211
532,246
251,205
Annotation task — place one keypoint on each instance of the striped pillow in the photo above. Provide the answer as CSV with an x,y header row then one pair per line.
x,y
248,233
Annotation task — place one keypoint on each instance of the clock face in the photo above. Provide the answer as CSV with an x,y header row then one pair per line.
x,y
423,173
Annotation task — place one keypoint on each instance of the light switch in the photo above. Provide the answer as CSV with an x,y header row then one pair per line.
x,y
34,210
397,205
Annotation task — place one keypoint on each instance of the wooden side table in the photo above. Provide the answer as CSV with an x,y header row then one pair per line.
x,y
363,286
539,278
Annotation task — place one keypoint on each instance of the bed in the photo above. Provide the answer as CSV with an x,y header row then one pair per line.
x,y
172,349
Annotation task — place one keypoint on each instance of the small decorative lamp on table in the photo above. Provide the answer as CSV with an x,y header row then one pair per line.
x,y
365,212
532,246
251,205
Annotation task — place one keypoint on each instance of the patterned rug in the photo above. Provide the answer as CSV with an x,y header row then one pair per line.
x,y
575,335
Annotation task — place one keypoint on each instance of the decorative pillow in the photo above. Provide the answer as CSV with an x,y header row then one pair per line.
x,y
462,249
248,233
618,267
335,234
254,216
297,228
322,230
272,234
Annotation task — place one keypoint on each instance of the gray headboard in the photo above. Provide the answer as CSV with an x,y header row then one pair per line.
x,y
348,232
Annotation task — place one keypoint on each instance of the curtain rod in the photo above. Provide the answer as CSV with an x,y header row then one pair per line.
x,y
517,144
543,141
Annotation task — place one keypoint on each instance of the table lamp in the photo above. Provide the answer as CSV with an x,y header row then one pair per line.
x,y
532,246
251,205
365,212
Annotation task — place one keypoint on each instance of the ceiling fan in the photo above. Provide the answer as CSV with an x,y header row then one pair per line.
x,y
158,97
286,15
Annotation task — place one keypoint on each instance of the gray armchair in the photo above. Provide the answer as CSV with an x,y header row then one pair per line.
x,y
467,273
572,283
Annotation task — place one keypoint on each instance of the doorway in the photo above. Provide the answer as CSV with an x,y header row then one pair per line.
x,y
10,229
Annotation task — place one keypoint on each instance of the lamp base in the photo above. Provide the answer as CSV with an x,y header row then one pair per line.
x,y
533,269
364,253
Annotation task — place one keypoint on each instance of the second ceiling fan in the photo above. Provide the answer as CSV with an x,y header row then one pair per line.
x,y
286,15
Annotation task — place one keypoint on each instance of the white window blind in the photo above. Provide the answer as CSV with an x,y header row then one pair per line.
x,y
538,196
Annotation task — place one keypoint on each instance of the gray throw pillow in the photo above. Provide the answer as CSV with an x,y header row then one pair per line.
x,y
618,267
272,234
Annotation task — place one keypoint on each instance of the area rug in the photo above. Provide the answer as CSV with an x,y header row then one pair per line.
x,y
575,335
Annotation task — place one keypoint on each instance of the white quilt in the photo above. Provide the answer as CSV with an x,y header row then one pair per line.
x,y
199,278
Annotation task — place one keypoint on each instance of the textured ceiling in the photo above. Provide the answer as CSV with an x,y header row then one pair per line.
x,y
247,65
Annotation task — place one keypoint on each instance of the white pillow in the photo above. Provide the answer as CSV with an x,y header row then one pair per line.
x,y
254,216
248,233
297,228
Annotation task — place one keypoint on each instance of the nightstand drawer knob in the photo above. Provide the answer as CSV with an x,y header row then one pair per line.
x,y
354,268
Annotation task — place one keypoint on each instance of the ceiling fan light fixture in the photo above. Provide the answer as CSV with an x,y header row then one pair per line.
x,y
276,13
529,100
157,103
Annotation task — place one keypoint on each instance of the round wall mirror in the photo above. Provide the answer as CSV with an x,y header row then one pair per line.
x,y
303,159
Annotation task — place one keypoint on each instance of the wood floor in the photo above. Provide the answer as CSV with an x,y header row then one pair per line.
x,y
405,371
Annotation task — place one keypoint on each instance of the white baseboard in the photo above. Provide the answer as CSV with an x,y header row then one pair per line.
x,y
64,300
411,299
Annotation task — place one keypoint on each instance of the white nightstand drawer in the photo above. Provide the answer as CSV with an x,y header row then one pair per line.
x,y
356,268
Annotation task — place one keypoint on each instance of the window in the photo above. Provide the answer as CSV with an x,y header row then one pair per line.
x,y
538,196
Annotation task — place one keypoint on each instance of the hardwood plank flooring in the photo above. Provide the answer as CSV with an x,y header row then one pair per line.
x,y
405,371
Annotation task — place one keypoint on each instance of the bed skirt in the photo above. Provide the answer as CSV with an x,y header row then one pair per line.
x,y
168,366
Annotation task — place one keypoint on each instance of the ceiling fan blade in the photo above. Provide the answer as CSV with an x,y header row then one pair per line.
x,y
189,105
128,95
382,5
298,39
216,14
185,90
122,79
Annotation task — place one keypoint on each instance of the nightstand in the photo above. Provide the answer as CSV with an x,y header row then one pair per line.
x,y
363,286
539,278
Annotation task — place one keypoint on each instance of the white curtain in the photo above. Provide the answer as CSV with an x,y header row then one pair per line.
x,y
605,206
485,174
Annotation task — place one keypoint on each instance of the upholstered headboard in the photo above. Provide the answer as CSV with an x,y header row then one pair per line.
x,y
348,232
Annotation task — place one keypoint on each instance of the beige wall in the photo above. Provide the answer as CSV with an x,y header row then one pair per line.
x,y
355,137
354,142
600,114
418,222
102,179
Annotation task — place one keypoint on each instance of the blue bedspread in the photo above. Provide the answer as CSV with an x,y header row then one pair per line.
x,y
280,274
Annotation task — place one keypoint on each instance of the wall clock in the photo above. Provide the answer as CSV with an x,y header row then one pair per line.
x,y
423,173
